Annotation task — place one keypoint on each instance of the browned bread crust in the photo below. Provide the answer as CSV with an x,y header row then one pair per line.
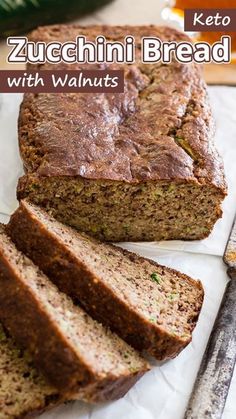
x,y
152,307
78,356
105,163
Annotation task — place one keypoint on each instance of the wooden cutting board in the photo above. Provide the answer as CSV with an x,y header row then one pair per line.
x,y
220,74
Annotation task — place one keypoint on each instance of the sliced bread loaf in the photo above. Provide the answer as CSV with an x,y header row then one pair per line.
x,y
23,390
152,307
77,354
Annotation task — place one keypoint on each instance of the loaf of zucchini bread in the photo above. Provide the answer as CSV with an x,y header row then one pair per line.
x,y
152,307
139,165
78,356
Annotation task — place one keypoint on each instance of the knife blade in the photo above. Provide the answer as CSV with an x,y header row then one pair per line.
x,y
214,376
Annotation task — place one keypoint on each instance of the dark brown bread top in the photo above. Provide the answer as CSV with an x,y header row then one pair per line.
x,y
71,348
159,129
152,307
23,390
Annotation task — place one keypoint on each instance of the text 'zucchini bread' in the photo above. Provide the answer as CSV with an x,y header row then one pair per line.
x,y
139,165
79,357
152,307
24,392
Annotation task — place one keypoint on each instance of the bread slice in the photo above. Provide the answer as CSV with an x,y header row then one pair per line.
x,y
77,354
24,392
136,166
152,307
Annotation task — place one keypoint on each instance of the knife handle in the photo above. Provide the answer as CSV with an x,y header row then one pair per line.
x,y
214,376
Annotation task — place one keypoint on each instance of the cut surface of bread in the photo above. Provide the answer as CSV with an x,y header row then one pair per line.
x,y
71,349
140,165
24,392
152,307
